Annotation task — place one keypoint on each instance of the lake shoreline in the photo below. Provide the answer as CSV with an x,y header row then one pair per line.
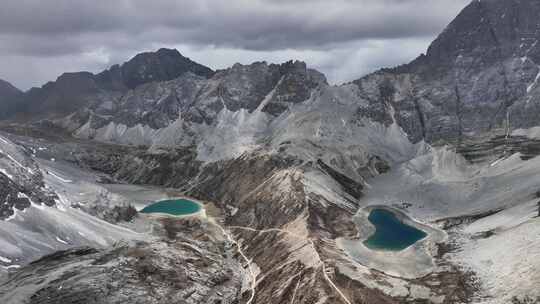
x,y
413,262
176,210
391,233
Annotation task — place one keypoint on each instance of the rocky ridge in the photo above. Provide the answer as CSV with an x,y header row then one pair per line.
x,y
73,91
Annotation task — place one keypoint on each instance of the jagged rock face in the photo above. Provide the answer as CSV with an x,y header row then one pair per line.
x,y
155,104
240,87
296,86
198,100
21,181
247,86
190,110
9,193
488,31
480,74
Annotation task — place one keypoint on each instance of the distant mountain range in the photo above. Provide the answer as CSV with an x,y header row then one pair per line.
x,y
72,91
480,74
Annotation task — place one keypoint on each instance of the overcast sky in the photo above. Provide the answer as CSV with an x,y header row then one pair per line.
x,y
345,39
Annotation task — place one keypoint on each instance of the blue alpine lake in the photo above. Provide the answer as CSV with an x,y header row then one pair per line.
x,y
173,207
391,234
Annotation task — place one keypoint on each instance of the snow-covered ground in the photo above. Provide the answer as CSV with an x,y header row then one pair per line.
x,y
80,186
38,230
439,185
508,262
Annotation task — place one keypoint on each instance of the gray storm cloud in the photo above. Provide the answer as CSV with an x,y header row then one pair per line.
x,y
47,36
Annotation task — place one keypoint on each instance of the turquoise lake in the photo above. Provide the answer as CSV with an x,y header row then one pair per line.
x,y
391,234
173,207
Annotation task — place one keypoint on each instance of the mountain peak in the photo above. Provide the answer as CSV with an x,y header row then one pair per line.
x,y
164,64
489,30
168,52
8,88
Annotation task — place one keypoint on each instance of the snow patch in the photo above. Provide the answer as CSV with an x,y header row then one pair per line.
x,y
62,241
3,171
11,267
59,177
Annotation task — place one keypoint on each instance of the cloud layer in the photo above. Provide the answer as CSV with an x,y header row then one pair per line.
x,y
343,38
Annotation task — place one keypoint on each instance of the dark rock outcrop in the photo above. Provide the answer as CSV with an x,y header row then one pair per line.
x,y
9,96
349,185
162,65
479,75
